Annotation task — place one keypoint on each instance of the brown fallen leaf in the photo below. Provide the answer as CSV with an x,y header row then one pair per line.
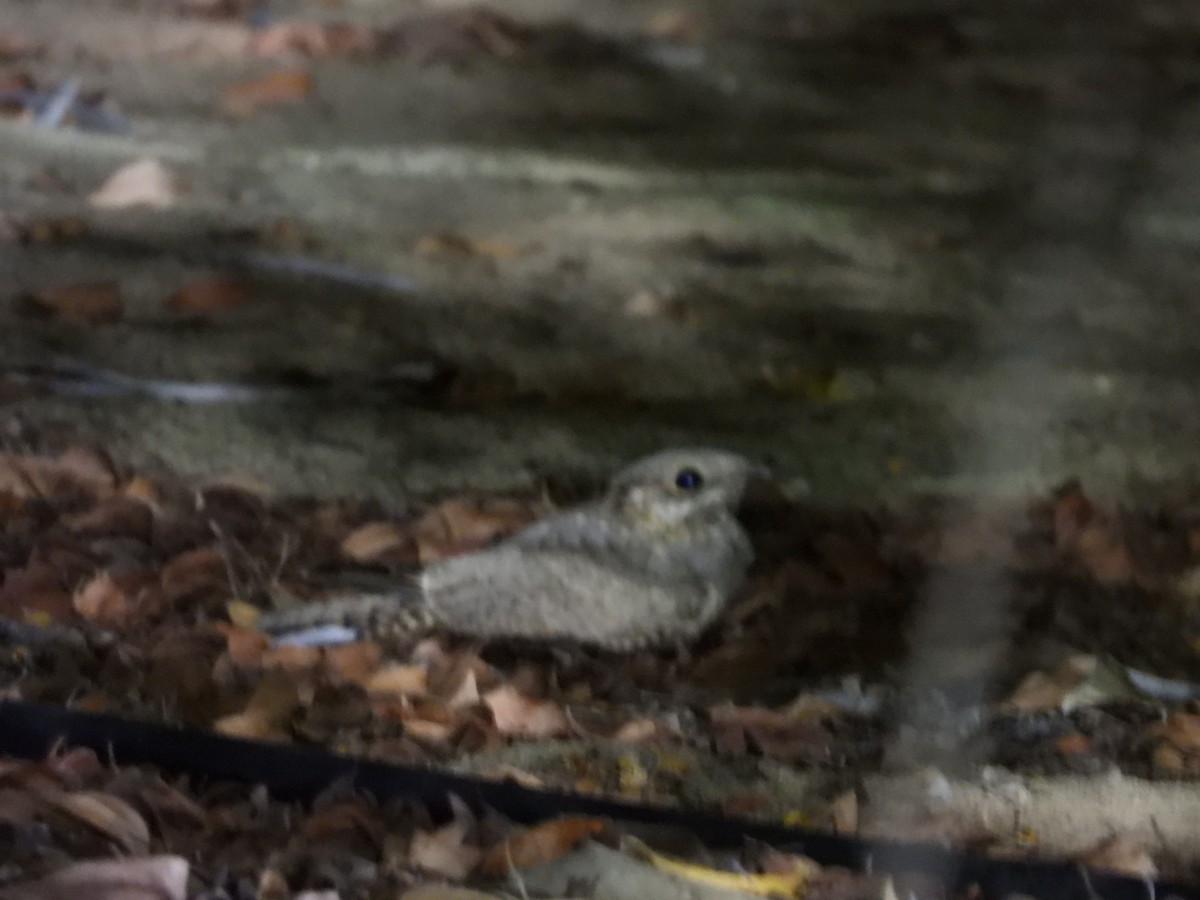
x,y
443,244
519,716
76,304
843,813
77,473
35,593
273,886
1073,743
1072,512
271,705
115,516
398,679
1092,537
145,491
1080,680
444,892
1104,554
145,182
317,40
282,86
88,467
445,851
106,813
776,734
459,525
208,295
102,600
194,574
291,658
351,816
243,614
1175,744
1120,854
352,663
539,844
158,877
74,766
381,543
245,646
635,731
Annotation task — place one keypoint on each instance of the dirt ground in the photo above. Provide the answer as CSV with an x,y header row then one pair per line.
x,y
896,249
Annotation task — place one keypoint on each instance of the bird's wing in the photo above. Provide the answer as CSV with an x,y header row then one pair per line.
x,y
526,590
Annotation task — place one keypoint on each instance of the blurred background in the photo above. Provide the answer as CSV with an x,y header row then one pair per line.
x,y
373,247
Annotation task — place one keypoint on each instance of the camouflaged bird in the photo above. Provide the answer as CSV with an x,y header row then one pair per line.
x,y
651,563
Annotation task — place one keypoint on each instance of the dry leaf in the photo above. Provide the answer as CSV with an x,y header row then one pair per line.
x,y
1073,743
245,645
444,851
193,574
102,600
843,812
444,892
207,295
507,772
517,715
281,86
115,517
540,844
76,472
352,663
460,525
776,734
1104,555
771,884
157,877
145,491
1079,680
89,469
77,304
1072,512
293,658
384,543
465,692
146,182
451,244
345,817
274,701
109,815
635,731
1176,749
34,593
398,679
314,39
1123,855
243,614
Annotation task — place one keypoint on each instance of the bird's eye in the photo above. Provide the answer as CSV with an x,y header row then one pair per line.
x,y
688,480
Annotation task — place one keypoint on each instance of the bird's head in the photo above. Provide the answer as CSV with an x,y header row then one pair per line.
x,y
678,487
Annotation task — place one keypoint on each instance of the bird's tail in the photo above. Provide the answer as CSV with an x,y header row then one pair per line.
x,y
399,611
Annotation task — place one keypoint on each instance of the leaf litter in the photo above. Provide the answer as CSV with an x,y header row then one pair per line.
x,y
138,593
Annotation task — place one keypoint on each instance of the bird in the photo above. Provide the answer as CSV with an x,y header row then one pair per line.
x,y
651,563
